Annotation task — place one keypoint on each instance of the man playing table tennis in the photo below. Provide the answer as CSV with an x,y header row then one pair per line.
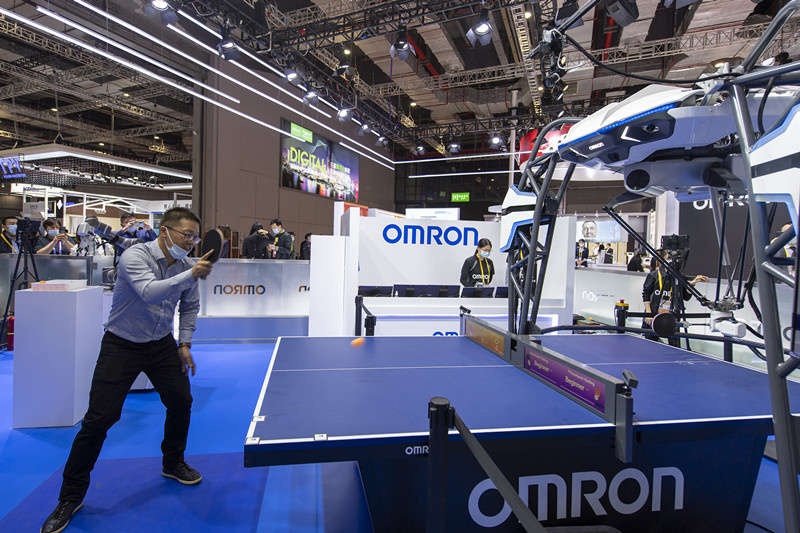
x,y
152,279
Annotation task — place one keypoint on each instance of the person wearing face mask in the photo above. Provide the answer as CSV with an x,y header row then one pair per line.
x,y
478,269
153,279
581,254
281,245
8,236
55,240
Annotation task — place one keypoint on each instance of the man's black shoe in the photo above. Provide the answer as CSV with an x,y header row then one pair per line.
x,y
183,473
59,518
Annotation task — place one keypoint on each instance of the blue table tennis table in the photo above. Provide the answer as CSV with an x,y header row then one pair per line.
x,y
698,433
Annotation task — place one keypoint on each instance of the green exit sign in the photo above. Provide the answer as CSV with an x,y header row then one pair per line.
x,y
459,197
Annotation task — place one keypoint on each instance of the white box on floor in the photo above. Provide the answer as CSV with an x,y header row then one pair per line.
x,y
57,339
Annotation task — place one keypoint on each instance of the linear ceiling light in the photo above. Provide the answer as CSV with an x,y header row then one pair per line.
x,y
134,53
216,71
144,71
477,156
249,71
479,173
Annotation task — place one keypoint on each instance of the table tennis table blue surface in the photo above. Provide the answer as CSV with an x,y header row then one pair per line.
x,y
325,386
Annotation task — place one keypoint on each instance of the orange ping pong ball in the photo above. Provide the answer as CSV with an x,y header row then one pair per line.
x,y
358,341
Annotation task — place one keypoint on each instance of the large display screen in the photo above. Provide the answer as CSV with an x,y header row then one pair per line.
x,y
316,165
598,230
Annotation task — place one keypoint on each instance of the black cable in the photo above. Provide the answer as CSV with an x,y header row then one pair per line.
x,y
763,104
597,62
757,353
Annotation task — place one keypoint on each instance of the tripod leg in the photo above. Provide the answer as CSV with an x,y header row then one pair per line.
x,y
11,291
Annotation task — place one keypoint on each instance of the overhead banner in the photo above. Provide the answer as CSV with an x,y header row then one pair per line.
x,y
417,252
316,165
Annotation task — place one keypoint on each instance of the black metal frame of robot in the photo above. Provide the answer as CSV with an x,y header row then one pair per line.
x,y
674,139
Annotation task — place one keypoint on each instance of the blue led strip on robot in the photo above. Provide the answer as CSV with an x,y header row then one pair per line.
x,y
620,123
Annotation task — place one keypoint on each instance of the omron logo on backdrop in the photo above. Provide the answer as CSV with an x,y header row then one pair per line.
x,y
421,251
244,290
435,235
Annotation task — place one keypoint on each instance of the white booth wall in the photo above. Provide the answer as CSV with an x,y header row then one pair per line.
x,y
387,251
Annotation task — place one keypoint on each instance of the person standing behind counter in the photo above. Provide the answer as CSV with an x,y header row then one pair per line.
x,y
55,240
281,247
8,236
478,269
255,245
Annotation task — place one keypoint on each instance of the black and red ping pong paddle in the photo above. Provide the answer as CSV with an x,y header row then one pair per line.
x,y
213,241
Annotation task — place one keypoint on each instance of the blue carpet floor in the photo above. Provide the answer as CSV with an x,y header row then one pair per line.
x,y
128,493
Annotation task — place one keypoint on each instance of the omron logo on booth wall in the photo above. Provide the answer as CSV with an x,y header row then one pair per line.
x,y
432,235
244,290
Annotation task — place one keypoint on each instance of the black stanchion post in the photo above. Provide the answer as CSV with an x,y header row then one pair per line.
x,y
359,303
369,325
441,420
621,314
727,351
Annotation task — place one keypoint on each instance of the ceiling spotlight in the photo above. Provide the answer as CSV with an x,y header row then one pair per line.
x,y
497,141
482,31
344,63
346,51
401,47
454,147
293,75
569,8
162,8
420,149
343,114
227,48
311,97
381,141
101,144
363,130
528,14
413,104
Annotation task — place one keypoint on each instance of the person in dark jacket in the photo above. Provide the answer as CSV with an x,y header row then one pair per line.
x,y
305,247
8,236
255,245
281,245
635,264
478,269
581,254
658,294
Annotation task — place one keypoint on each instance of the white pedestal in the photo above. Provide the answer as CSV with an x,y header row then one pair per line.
x,y
57,340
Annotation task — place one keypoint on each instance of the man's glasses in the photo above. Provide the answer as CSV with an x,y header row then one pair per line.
x,y
188,237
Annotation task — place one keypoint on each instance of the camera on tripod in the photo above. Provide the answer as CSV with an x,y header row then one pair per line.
x,y
27,229
676,248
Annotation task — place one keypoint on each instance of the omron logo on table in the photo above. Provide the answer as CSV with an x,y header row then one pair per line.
x,y
430,235
244,290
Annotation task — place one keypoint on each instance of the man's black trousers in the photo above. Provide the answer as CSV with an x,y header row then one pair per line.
x,y
119,363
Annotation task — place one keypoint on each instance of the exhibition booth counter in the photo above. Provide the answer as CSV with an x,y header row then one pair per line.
x,y
397,316
253,300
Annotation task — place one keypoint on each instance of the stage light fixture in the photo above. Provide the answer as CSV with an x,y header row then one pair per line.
x,y
454,147
623,12
163,9
227,48
311,97
482,31
419,150
566,11
343,114
401,47
363,129
294,75
381,141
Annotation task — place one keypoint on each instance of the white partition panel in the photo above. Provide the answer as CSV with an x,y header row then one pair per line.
x,y
327,295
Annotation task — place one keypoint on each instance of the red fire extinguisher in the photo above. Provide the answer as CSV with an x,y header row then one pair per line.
x,y
10,328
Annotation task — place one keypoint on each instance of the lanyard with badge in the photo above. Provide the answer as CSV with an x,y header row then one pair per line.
x,y
484,276
9,243
664,305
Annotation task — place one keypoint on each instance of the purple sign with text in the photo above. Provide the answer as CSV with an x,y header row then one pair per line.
x,y
576,384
